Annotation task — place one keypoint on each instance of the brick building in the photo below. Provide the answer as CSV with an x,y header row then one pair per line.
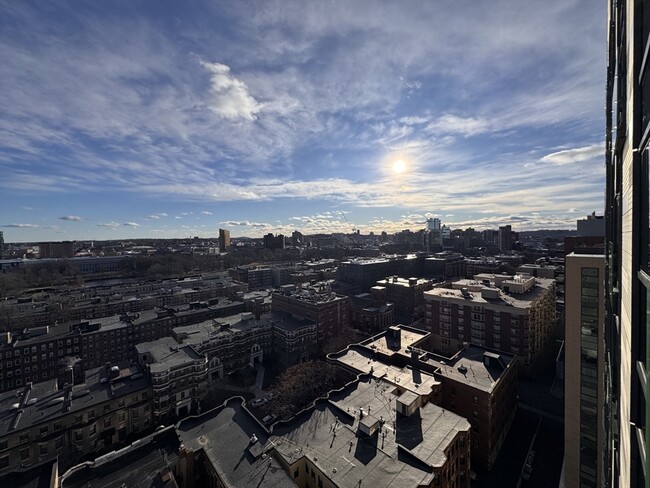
x,y
407,295
511,314
319,303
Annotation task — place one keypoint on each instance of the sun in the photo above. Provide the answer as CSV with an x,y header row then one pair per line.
x,y
399,166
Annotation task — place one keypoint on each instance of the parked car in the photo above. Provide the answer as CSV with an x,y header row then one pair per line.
x,y
268,419
258,402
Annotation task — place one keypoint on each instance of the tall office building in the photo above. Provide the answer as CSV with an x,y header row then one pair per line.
x,y
505,238
224,240
2,244
584,370
433,224
626,214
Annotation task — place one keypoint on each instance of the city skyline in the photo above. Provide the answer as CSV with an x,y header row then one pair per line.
x,y
128,120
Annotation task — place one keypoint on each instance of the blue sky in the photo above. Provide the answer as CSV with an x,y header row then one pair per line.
x,y
172,119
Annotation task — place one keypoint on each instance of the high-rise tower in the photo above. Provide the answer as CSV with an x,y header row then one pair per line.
x,y
627,387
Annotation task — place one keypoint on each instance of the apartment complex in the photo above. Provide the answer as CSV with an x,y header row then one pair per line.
x,y
39,353
319,303
407,295
627,158
360,436
584,350
371,312
476,383
242,340
358,275
513,314
46,420
178,377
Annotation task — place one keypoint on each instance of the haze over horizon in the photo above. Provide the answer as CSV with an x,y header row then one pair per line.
x,y
160,119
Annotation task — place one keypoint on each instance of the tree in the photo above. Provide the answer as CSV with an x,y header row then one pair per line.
x,y
301,384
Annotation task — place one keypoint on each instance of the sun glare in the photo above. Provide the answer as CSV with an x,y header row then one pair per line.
x,y
399,166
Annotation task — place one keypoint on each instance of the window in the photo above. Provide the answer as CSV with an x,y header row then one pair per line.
x,y
24,438
24,454
42,449
4,462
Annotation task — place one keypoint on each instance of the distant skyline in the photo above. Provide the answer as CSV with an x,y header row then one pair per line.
x,y
132,119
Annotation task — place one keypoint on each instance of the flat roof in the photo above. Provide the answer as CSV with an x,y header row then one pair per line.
x,y
167,353
45,401
364,361
402,453
475,371
363,358
385,344
143,465
518,300
224,434
238,323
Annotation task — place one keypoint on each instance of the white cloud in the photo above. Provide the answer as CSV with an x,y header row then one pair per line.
x,y
71,218
131,224
230,97
205,212
576,155
23,226
244,223
453,124
113,225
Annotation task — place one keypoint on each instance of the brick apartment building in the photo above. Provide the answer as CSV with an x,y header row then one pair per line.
x,y
511,314
319,303
46,421
407,295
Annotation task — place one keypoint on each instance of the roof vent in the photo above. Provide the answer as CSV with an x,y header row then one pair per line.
x,y
462,369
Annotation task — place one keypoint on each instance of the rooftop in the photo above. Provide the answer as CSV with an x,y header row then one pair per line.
x,y
469,366
141,465
400,451
41,402
379,356
168,354
475,296
235,324
226,435
364,361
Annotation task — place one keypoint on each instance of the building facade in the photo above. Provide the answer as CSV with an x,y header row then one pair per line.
x,y
627,146
224,240
508,313
178,377
48,420
319,303
407,295
584,348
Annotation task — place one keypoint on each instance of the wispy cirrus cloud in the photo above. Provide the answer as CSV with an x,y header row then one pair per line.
x,y
131,224
467,100
577,155
244,223
71,218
